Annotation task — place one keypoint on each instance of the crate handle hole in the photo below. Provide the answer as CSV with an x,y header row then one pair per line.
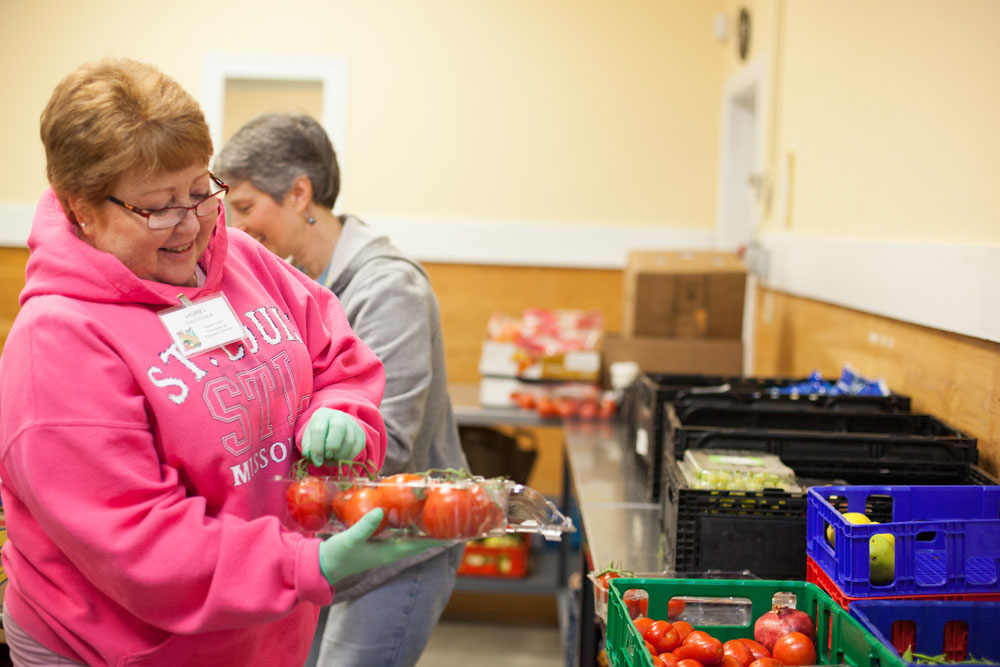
x,y
878,506
956,640
903,635
926,536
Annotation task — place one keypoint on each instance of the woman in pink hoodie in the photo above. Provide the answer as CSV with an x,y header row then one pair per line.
x,y
163,370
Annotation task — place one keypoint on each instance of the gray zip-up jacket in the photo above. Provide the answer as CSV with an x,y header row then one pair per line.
x,y
390,305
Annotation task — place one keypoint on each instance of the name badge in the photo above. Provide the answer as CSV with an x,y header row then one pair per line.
x,y
202,325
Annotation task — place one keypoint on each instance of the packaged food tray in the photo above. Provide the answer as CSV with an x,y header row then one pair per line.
x,y
941,539
958,630
728,608
421,506
700,526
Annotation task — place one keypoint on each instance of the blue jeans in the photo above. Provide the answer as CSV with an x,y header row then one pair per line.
x,y
388,626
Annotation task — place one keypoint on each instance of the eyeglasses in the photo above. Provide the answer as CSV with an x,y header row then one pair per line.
x,y
171,216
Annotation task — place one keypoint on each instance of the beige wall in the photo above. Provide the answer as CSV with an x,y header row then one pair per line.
x,y
888,111
562,110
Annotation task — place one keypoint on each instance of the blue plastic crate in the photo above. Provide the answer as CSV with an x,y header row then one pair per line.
x,y
959,630
947,538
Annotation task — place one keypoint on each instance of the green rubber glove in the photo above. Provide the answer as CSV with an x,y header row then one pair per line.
x,y
332,435
350,552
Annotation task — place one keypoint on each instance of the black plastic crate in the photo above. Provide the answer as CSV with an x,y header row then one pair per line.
x,y
645,414
819,443
762,531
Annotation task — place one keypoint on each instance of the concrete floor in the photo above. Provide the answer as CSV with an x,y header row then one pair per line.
x,y
493,645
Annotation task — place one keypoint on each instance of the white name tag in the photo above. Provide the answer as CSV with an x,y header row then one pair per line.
x,y
202,325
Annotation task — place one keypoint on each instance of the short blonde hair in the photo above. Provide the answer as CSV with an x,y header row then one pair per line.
x,y
116,115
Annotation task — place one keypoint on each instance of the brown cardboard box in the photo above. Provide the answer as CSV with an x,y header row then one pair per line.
x,y
720,356
683,294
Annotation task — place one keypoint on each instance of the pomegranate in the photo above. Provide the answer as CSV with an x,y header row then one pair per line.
x,y
782,619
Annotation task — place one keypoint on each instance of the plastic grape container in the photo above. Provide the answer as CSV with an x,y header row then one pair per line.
x,y
422,506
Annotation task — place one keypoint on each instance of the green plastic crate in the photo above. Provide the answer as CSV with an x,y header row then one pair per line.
x,y
840,639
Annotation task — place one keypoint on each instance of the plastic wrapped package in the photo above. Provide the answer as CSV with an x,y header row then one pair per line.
x,y
736,470
448,507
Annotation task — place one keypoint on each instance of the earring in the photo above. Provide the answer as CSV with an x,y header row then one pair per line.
x,y
83,224
311,220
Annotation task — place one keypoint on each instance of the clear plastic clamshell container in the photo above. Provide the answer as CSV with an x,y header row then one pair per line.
x,y
736,470
422,506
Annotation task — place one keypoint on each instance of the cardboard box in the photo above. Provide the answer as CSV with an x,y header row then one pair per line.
x,y
717,356
683,294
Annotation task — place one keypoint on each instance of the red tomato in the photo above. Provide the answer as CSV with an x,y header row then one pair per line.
x,y
766,662
637,602
524,399
602,584
588,409
675,606
668,659
448,511
362,501
702,647
566,407
657,662
756,648
546,407
696,635
641,624
688,662
310,502
683,629
729,661
340,502
739,651
485,515
651,649
795,649
401,501
662,636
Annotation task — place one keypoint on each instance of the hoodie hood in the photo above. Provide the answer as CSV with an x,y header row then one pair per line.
x,y
61,263
358,245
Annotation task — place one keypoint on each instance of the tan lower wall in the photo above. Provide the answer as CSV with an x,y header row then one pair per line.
x,y
955,378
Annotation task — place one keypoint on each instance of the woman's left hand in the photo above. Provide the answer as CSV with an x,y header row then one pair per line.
x,y
332,435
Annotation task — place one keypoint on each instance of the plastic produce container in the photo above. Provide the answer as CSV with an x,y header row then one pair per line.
x,y
727,610
703,528
637,602
417,506
958,630
938,540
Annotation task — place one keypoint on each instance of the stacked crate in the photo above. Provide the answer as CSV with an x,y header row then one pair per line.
x,y
850,439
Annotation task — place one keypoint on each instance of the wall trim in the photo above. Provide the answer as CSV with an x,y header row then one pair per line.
x,y
951,287
494,242
15,223
542,244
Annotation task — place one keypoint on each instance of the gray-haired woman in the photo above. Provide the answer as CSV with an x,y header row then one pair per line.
x,y
284,181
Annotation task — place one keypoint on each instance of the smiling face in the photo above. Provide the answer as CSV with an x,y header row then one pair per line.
x,y
164,255
276,226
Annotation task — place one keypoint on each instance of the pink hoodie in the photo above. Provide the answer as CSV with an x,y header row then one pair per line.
x,y
139,484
